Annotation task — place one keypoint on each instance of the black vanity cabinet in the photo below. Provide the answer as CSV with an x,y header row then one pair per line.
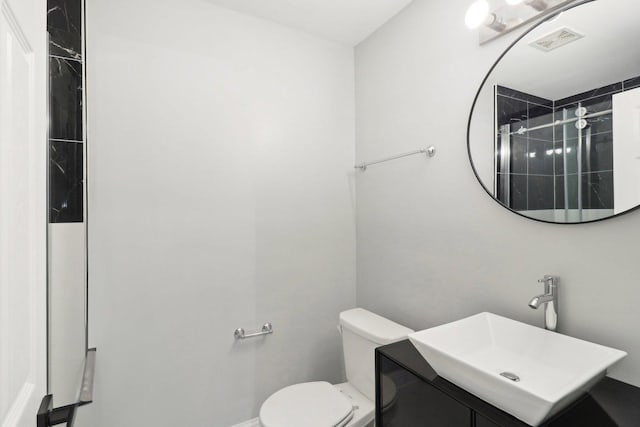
x,y
409,393
406,400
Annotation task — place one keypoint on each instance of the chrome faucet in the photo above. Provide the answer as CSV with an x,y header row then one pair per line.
x,y
550,300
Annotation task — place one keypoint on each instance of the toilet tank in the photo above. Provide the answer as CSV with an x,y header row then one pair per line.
x,y
363,331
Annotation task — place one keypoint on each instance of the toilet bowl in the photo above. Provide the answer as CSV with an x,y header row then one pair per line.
x,y
350,404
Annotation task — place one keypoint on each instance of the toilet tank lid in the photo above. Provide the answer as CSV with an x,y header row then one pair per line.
x,y
373,327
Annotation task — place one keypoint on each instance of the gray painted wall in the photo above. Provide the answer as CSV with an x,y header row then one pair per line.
x,y
432,245
219,197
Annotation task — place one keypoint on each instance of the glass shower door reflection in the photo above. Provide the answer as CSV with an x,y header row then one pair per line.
x,y
554,162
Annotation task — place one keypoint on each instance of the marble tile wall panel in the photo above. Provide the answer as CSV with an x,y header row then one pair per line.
x,y
66,115
64,23
65,99
66,192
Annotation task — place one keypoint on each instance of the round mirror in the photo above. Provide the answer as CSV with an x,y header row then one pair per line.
x,y
554,132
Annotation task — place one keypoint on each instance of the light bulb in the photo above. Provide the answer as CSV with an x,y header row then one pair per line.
x,y
477,14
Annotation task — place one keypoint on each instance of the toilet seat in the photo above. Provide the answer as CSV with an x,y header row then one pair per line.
x,y
315,404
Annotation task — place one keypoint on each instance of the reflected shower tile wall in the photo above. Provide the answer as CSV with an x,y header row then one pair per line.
x,y
597,190
519,151
631,83
518,190
540,115
572,193
571,156
597,159
600,155
607,90
531,153
539,188
540,158
516,94
593,105
511,111
537,157
66,114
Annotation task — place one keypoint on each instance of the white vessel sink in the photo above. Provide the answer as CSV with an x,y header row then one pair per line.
x,y
552,369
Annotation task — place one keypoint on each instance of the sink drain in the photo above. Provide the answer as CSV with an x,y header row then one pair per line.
x,y
510,376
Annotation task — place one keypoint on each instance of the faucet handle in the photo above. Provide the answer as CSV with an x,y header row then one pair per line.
x,y
549,280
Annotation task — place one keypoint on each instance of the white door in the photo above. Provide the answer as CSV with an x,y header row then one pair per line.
x,y
626,150
23,157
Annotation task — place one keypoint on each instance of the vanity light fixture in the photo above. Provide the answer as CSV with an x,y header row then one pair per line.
x,y
538,5
479,14
493,18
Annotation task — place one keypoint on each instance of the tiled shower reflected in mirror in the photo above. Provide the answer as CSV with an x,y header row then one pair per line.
x,y
66,230
544,164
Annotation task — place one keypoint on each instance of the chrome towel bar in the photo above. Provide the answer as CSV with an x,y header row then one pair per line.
x,y
429,151
240,333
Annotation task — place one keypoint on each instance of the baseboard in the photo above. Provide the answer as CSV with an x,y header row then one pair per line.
x,y
251,423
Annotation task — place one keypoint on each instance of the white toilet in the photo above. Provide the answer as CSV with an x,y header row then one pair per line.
x,y
350,404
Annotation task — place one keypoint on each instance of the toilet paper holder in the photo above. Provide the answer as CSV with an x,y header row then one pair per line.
x,y
241,334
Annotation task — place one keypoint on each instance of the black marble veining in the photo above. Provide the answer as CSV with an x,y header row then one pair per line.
x,y
66,174
65,99
511,111
65,15
631,83
64,44
512,93
65,181
64,24
597,190
610,403
608,90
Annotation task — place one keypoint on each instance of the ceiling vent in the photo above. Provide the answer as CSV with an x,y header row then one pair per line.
x,y
557,39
